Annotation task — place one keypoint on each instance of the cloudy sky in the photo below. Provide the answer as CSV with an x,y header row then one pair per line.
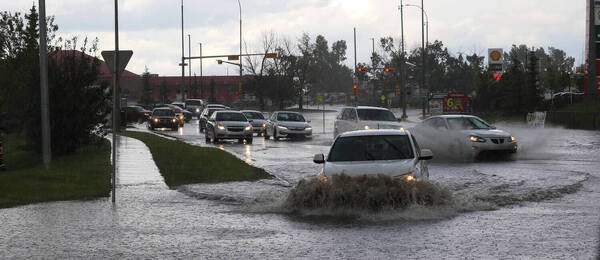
x,y
152,28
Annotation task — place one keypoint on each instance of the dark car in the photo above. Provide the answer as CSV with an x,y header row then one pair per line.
x,y
205,115
195,106
163,118
136,114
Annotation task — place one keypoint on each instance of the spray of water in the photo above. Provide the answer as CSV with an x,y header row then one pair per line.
x,y
366,193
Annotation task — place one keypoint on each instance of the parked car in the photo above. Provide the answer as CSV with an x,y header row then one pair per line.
x,y
136,114
206,115
226,124
463,135
195,106
364,118
287,124
259,122
163,118
395,153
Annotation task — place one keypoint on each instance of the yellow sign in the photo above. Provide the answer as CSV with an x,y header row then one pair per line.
x,y
382,98
233,57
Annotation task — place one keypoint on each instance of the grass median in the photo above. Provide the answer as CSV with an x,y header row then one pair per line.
x,y
181,163
84,175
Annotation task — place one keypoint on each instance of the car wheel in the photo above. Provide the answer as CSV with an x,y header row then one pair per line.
x,y
206,138
241,140
266,135
249,140
275,137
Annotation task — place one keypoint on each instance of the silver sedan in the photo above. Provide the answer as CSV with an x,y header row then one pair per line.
x,y
228,125
287,124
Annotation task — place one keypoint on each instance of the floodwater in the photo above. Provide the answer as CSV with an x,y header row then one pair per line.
x,y
541,203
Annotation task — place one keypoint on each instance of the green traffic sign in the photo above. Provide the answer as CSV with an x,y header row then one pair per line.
x,y
319,98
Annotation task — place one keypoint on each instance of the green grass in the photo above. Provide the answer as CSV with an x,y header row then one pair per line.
x,y
84,175
181,163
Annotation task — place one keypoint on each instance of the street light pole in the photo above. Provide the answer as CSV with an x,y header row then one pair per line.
x,y
241,68
201,80
402,73
46,151
182,57
423,47
190,61
116,101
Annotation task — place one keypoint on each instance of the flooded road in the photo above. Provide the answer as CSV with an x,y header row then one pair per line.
x,y
542,203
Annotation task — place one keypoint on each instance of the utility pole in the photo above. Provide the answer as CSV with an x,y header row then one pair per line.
x,y
241,68
47,152
201,80
190,61
425,103
116,101
355,78
402,73
182,58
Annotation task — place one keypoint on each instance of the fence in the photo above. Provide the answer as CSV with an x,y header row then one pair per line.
x,y
574,120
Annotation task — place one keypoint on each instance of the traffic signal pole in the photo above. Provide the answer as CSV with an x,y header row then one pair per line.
x,y
402,87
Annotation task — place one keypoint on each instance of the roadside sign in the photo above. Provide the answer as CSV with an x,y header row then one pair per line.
x,y
319,98
495,56
109,59
382,98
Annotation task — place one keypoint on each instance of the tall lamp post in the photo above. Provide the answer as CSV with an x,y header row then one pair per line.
x,y
423,16
182,57
241,68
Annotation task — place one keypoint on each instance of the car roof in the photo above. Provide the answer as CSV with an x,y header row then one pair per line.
x,y
374,132
253,111
368,107
162,108
227,111
291,112
452,116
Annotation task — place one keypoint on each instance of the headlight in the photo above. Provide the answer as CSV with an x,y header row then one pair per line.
x,y
221,127
197,110
174,120
475,138
406,177
401,128
248,128
155,120
367,127
512,138
264,125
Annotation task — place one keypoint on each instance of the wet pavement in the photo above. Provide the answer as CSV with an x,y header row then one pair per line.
x,y
541,203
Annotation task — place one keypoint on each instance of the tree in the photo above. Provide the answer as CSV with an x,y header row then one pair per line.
x,y
146,89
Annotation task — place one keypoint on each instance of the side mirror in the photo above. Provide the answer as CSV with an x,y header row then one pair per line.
x,y
426,154
319,158
307,121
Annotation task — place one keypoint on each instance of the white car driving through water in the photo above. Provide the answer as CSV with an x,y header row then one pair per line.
x,y
389,152
364,118
463,135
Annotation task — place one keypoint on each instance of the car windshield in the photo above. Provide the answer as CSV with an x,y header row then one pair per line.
x,y
375,115
369,148
467,123
290,117
163,112
193,103
254,115
230,116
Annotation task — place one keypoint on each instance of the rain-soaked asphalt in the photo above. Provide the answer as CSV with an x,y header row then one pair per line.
x,y
542,203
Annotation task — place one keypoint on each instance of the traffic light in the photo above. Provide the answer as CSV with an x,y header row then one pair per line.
x,y
362,69
430,94
398,91
389,69
355,90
